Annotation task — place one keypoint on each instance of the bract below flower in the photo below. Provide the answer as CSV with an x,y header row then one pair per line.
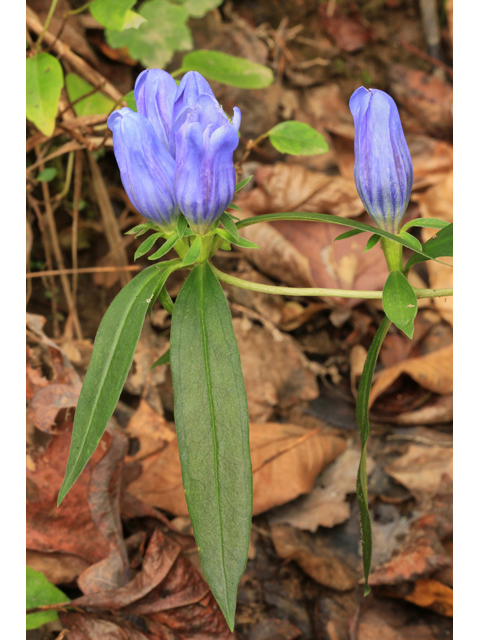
x,y
383,166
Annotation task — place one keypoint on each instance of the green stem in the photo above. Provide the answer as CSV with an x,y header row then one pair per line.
x,y
51,11
311,291
393,254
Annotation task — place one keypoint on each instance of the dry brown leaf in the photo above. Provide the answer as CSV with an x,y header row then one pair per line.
x,y
319,559
349,32
286,459
437,411
424,471
325,505
275,370
432,371
59,568
150,429
433,595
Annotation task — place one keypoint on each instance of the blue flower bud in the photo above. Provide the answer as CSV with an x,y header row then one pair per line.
x,y
204,171
146,167
155,92
383,166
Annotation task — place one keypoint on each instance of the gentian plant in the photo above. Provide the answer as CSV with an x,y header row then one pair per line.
x,y
176,163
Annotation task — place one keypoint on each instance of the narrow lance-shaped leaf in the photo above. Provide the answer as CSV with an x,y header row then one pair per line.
x,y
363,424
211,417
112,356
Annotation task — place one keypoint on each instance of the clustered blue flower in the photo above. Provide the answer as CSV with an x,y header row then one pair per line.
x,y
383,165
176,153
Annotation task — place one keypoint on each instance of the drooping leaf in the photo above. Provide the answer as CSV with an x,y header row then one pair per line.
x,y
156,40
41,592
229,225
411,240
211,417
165,248
147,245
240,242
193,253
44,81
429,223
116,14
92,105
297,139
112,356
372,241
400,302
198,8
363,424
231,70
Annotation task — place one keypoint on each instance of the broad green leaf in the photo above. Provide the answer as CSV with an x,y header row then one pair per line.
x,y
363,424
116,14
147,245
240,242
44,80
165,359
440,246
323,217
130,100
156,40
198,8
233,71
112,356
182,224
47,175
414,242
241,184
430,223
193,253
211,418
348,234
165,248
41,592
400,302
92,105
297,139
229,225
372,241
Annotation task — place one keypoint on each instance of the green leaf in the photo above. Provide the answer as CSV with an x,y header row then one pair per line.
x,y
211,418
165,359
156,40
182,224
116,14
93,105
167,268
240,242
229,225
297,139
372,241
400,302
409,239
241,184
235,207
348,234
138,229
165,300
233,71
441,245
430,223
41,592
165,248
193,253
47,175
147,245
198,8
112,356
323,217
363,424
44,80
130,100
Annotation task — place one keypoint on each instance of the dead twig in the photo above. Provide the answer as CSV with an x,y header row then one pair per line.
x,y
421,54
60,272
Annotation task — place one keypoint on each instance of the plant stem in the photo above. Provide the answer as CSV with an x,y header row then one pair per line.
x,y
51,11
393,254
311,291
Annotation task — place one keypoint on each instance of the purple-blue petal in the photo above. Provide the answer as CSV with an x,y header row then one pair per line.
x,y
146,166
155,92
383,166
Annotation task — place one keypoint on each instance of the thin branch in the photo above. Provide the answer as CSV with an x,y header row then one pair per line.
x,y
67,272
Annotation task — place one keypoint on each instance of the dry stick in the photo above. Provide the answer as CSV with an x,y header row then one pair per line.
x,y
74,123
59,272
73,145
77,191
63,50
110,224
48,259
421,54
59,259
